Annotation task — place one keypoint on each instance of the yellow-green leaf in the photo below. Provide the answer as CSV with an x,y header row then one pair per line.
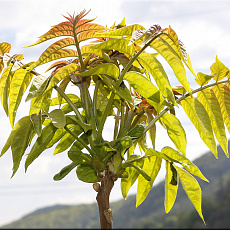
x,y
208,98
5,87
107,68
18,85
151,166
4,48
222,93
120,45
58,119
152,130
41,144
20,140
203,79
200,119
172,40
87,50
67,139
124,31
36,120
56,51
133,174
146,89
175,131
219,70
38,86
173,60
170,188
192,189
154,67
178,157
61,74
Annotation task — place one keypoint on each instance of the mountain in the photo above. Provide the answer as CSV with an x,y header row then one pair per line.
x,y
150,214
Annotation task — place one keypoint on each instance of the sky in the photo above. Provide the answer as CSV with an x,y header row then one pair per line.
x,y
203,27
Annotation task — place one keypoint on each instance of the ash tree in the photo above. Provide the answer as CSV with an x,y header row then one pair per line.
x,y
114,76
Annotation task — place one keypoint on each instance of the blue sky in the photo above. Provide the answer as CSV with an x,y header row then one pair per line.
x,y
203,26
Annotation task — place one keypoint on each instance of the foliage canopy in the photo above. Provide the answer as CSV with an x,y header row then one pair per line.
x,y
114,76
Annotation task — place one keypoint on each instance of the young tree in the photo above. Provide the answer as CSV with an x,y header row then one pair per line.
x,y
114,76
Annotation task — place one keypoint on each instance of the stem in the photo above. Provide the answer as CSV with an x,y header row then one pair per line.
x,y
105,213
117,118
78,49
98,82
71,104
118,82
80,141
122,122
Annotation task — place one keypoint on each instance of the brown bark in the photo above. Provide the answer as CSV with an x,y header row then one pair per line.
x,y
105,213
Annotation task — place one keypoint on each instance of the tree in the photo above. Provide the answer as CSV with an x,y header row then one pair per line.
x,y
114,76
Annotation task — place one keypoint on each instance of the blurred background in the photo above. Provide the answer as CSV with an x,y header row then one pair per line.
x,y
203,27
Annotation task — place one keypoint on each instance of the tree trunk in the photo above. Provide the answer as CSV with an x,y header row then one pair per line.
x,y
105,213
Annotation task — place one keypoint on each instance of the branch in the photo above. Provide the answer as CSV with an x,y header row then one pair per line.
x,y
178,101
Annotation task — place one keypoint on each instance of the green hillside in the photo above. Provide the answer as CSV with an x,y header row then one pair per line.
x,y
150,214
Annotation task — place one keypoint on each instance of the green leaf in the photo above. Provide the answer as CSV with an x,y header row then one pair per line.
x,y
79,157
219,70
57,118
200,119
107,68
146,89
175,131
77,145
120,45
133,174
38,86
20,140
87,174
65,171
154,67
222,93
151,167
61,74
179,158
67,140
18,85
36,120
41,144
170,188
173,60
208,98
137,131
125,143
57,136
192,189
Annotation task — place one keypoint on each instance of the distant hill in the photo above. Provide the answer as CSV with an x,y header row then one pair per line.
x,y
150,214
